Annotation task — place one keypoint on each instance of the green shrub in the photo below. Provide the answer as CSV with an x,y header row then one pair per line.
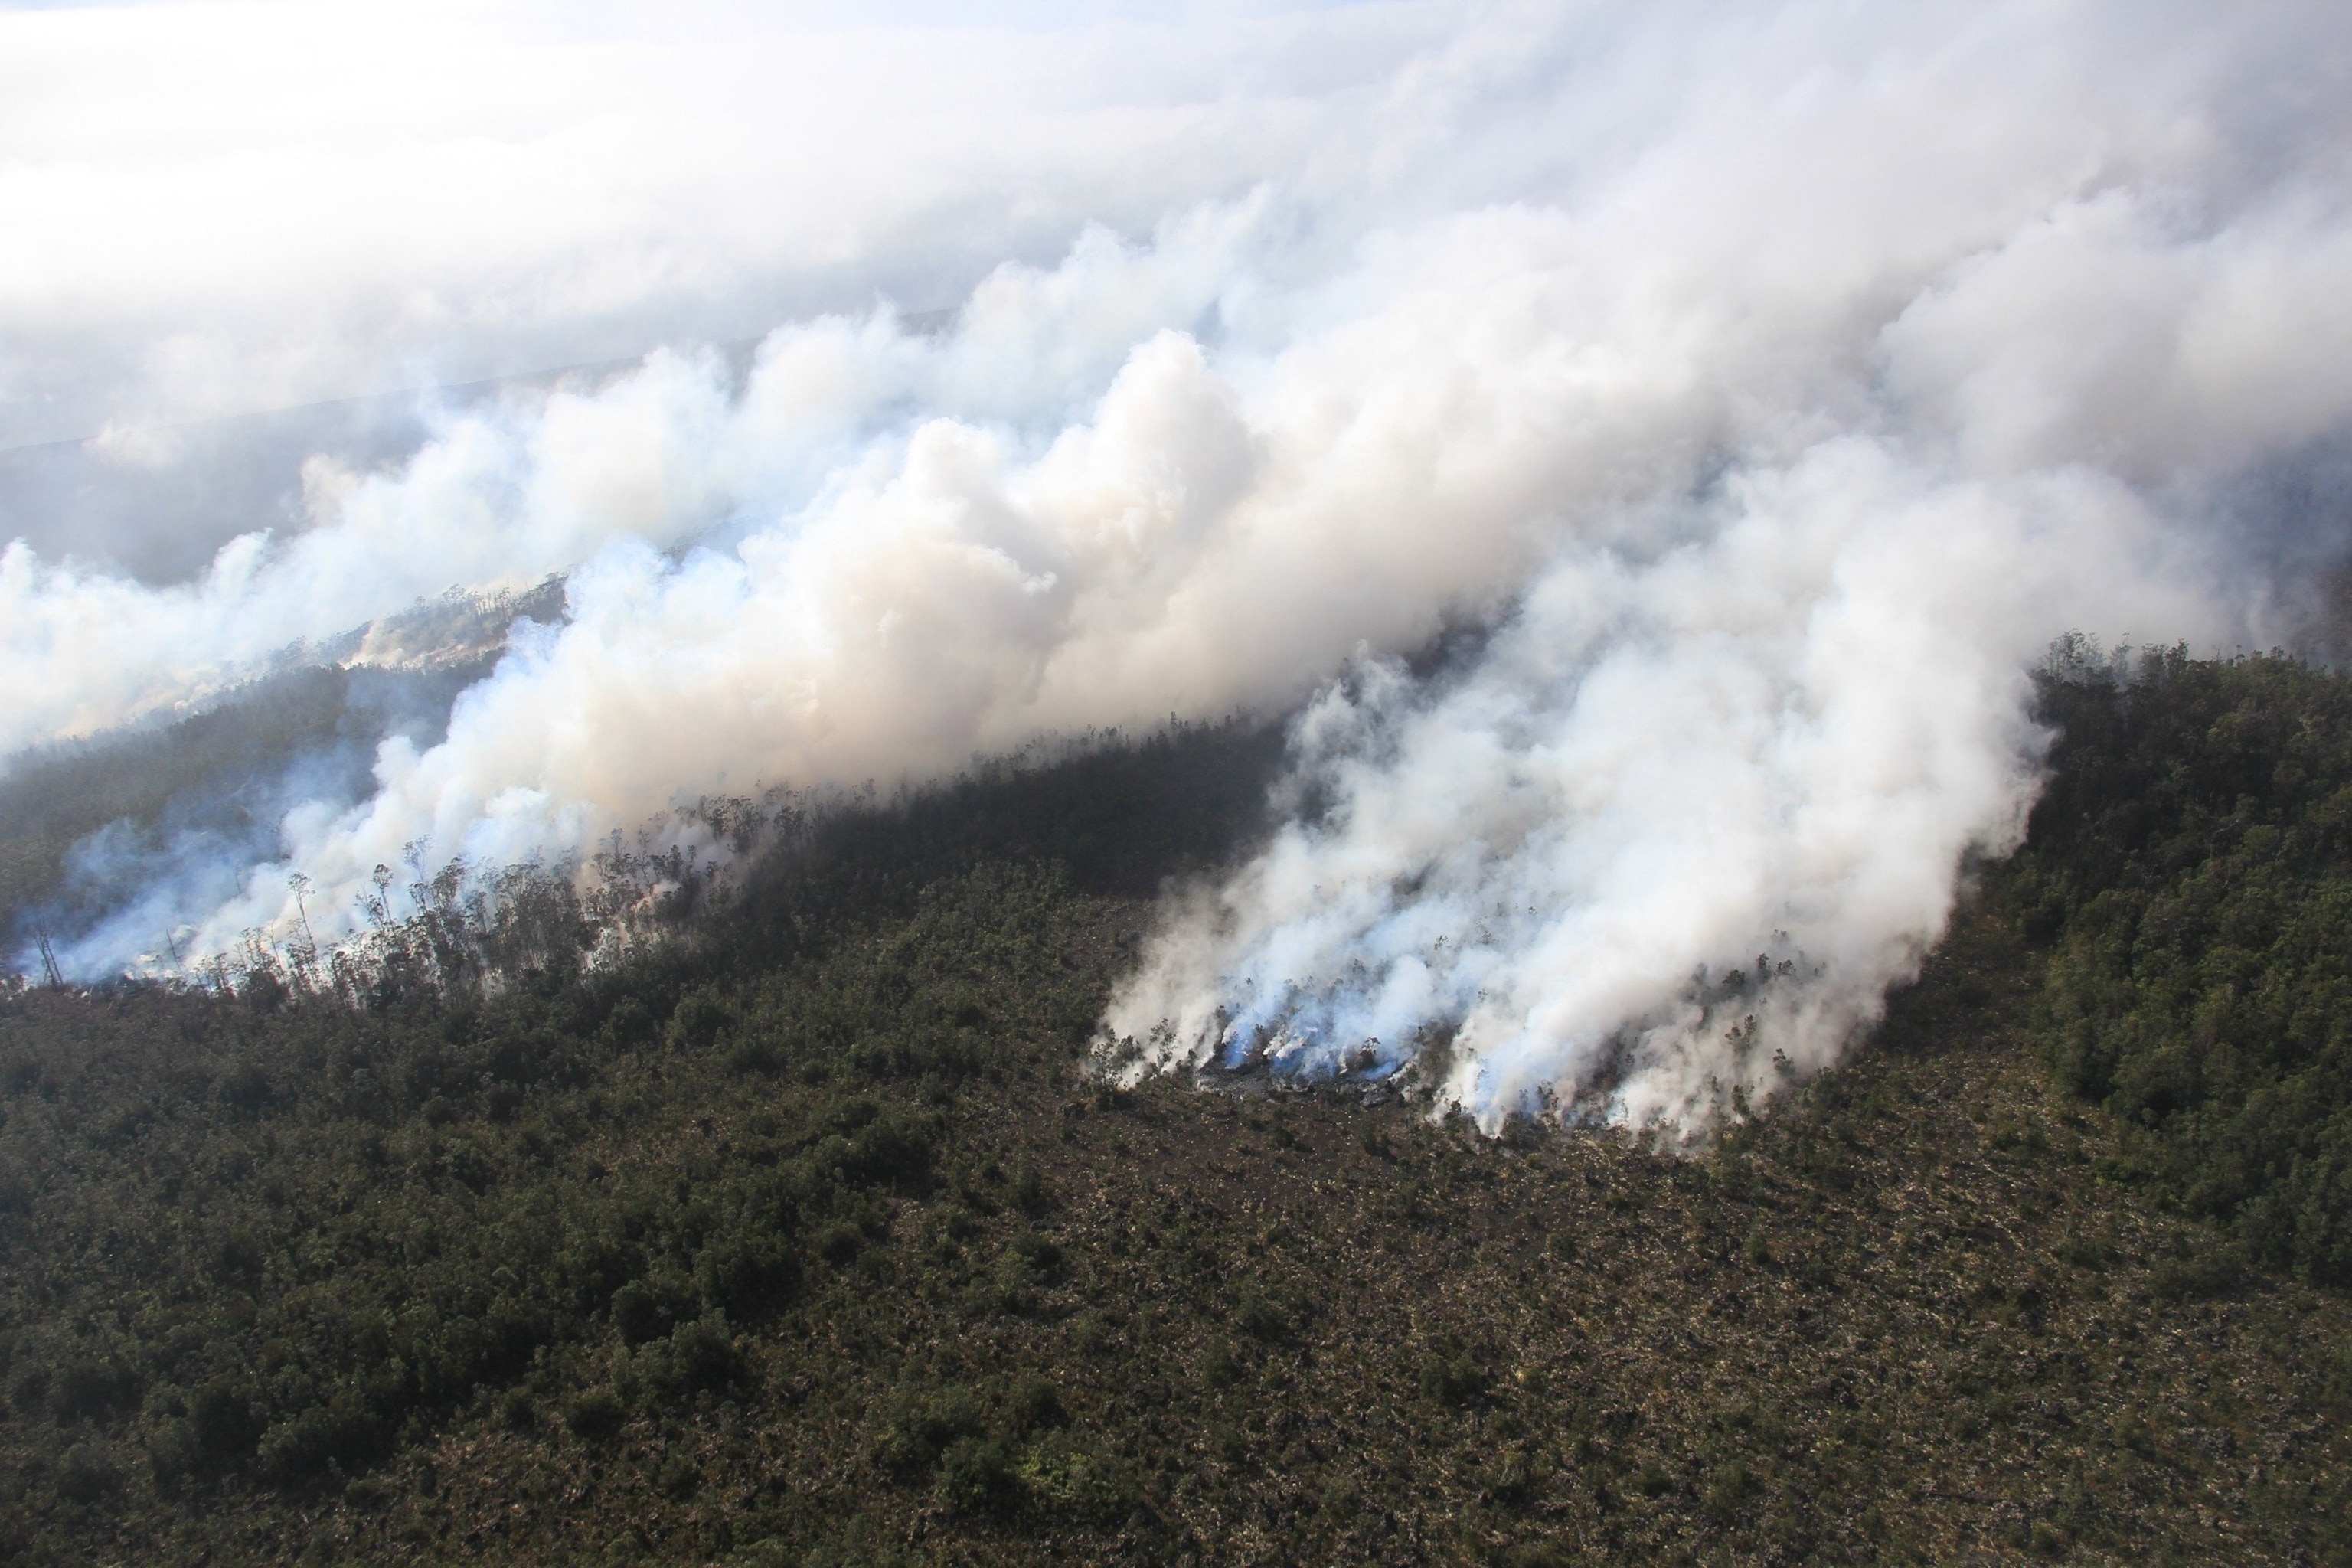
x,y
746,1272
246,1086
979,1476
1259,1314
699,1355
1027,1191
638,1312
87,1474
697,1019
1511,1480
892,1152
840,1241
595,1414
630,1025
1062,1478
592,1266
921,1426
2198,1275
756,1054
345,1433
92,1388
1036,1404
1729,1490
677,1478
171,1450
1450,1373
29,1387
1043,1255
223,1425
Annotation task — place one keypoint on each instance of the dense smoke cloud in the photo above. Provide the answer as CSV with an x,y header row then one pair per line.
x,y
1773,388
1776,732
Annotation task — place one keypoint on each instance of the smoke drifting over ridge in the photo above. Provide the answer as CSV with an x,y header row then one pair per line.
x,y
1777,384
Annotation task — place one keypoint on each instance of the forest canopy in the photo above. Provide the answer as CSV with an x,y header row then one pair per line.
x,y
804,1232
2191,866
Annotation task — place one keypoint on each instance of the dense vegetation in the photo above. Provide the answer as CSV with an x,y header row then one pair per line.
x,y
2192,862
807,1238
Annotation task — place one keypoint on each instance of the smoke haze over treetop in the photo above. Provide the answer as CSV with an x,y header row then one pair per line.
x,y
1774,381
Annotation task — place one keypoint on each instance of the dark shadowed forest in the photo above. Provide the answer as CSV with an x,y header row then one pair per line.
x,y
804,1233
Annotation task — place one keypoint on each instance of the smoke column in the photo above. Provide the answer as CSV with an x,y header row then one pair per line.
x,y
1770,385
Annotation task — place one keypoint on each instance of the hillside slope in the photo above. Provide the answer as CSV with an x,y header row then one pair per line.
x,y
814,1241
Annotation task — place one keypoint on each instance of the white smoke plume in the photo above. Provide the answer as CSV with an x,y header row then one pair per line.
x,y
1773,383
1777,730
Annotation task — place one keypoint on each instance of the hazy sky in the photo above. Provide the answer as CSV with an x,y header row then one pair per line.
x,y
217,208
215,212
